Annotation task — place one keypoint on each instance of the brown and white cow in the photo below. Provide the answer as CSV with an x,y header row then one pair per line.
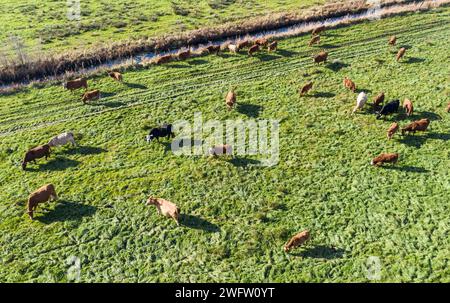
x,y
272,46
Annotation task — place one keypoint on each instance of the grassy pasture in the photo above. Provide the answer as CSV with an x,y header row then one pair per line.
x,y
236,216
44,25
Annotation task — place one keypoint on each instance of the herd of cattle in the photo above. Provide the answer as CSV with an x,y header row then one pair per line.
x,y
171,210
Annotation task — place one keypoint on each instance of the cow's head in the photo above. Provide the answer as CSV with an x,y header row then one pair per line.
x,y
149,138
24,165
151,201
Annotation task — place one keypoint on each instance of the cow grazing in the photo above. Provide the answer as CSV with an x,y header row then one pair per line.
x,y
408,106
92,95
253,49
213,49
401,53
116,76
76,84
220,150
321,57
297,240
378,100
243,44
306,88
184,55
318,30
272,46
360,101
349,84
314,40
62,139
36,153
416,126
43,194
392,130
392,40
165,208
389,108
230,99
261,42
164,59
385,158
233,48
159,132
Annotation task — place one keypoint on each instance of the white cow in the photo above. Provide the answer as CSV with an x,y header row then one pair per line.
x,y
62,139
360,101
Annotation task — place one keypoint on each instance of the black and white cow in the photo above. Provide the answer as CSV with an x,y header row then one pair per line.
x,y
389,108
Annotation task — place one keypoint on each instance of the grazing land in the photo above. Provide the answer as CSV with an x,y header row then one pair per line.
x,y
236,217
44,26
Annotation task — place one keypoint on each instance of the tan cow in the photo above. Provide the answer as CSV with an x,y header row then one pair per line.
x,y
318,30
43,194
349,84
261,42
314,40
230,99
392,130
92,95
401,53
297,240
408,106
76,84
165,208
392,40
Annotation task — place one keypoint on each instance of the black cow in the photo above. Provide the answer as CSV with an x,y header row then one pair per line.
x,y
389,108
160,132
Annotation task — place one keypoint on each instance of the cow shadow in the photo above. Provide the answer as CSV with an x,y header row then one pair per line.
x,y
197,61
251,110
224,55
107,95
135,85
244,162
429,115
321,252
413,140
322,95
66,211
57,164
408,168
175,65
328,46
439,136
266,57
360,90
337,66
196,222
112,104
286,53
86,150
412,60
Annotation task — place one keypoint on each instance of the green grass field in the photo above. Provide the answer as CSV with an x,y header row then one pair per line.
x,y
44,25
237,217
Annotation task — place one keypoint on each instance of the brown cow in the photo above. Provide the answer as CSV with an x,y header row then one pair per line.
x,y
165,208
306,88
385,158
164,59
116,76
321,57
184,55
408,106
213,49
392,130
318,30
253,49
243,44
297,240
36,153
76,84
92,95
392,40
349,84
378,100
230,100
314,40
261,42
272,46
401,53
416,126
43,194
